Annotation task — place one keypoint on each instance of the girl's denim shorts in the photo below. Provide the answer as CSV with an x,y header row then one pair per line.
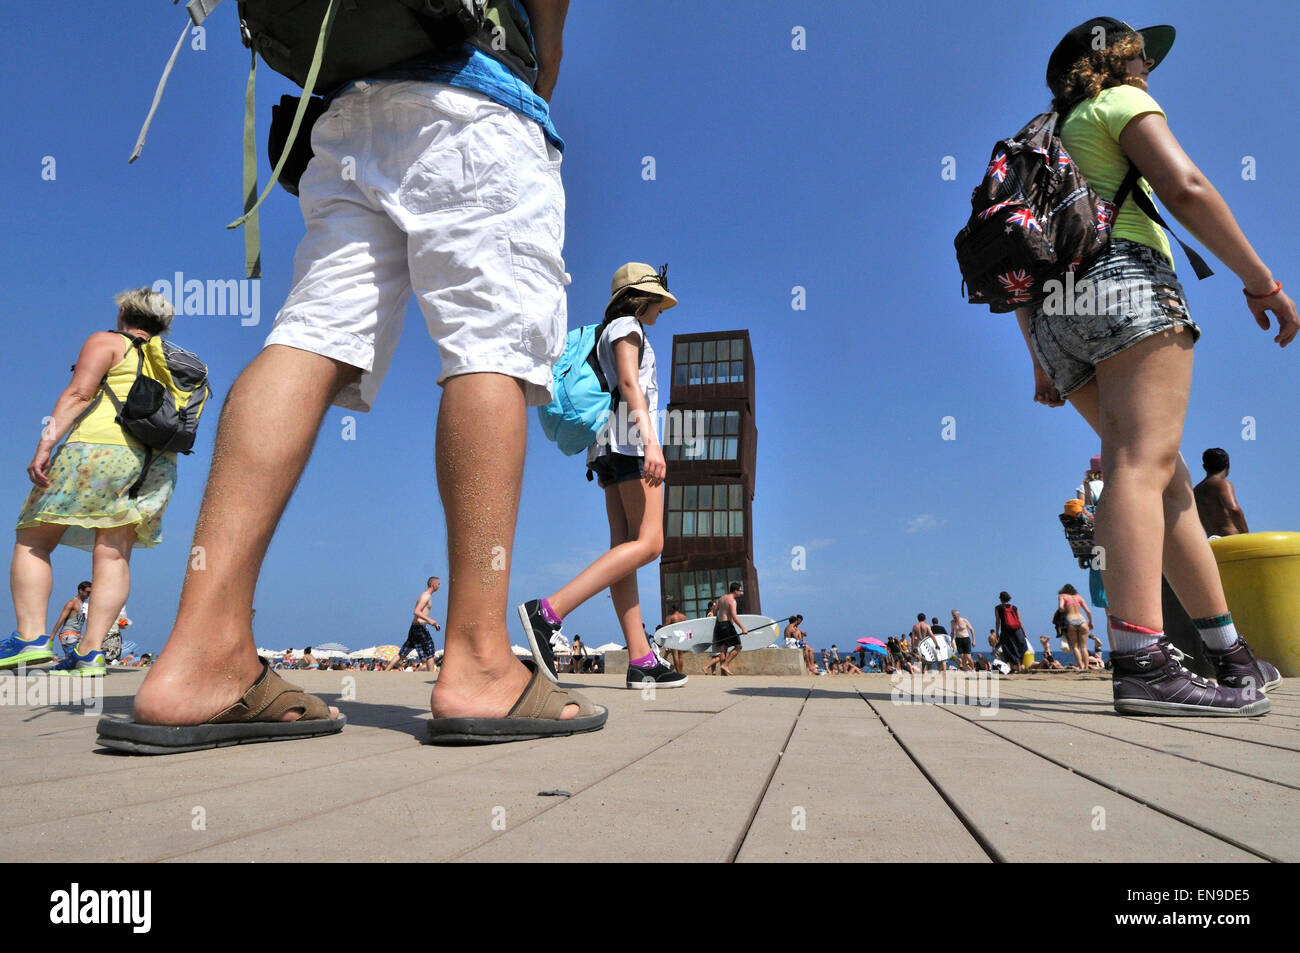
x,y
1125,296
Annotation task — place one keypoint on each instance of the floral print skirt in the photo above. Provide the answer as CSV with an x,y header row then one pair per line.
x,y
89,491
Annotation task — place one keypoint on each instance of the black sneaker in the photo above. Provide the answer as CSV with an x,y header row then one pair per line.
x,y
539,633
1152,681
662,675
1237,667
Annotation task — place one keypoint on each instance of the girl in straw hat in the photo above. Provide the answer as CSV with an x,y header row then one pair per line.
x,y
628,463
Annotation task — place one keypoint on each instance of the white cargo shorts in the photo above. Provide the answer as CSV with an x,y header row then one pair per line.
x,y
419,186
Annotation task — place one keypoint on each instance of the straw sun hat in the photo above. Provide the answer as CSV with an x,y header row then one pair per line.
x,y
641,277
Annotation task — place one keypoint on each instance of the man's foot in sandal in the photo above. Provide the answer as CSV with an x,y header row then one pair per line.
x,y
519,703
270,710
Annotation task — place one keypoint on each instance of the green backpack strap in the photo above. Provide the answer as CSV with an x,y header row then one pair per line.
x,y
252,249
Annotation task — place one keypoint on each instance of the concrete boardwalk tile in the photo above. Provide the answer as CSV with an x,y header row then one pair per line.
x,y
698,791
837,791
1028,809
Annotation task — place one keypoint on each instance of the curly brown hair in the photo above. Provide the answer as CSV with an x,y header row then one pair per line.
x,y
1100,69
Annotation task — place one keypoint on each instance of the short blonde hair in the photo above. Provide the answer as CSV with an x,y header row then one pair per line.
x,y
145,310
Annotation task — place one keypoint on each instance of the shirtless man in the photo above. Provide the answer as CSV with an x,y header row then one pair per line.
x,y
919,632
1216,503
725,635
791,632
675,655
417,636
964,634
72,619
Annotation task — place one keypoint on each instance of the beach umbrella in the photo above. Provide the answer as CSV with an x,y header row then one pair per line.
x,y
327,653
872,647
363,653
870,641
268,653
386,652
521,651
608,647
336,647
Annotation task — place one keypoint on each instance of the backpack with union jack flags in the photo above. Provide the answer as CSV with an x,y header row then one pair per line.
x,y
1034,217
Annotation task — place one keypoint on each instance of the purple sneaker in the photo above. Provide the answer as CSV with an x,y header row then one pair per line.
x,y
1152,681
1237,667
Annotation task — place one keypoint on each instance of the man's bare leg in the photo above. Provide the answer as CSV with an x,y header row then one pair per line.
x,y
482,428
265,437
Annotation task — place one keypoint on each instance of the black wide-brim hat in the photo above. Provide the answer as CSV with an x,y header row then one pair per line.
x,y
1079,43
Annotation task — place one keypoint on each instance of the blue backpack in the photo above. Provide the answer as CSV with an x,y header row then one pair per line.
x,y
583,398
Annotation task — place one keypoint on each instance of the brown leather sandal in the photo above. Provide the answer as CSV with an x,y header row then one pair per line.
x,y
535,715
252,719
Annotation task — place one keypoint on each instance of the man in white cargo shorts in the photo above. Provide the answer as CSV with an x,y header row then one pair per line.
x,y
440,179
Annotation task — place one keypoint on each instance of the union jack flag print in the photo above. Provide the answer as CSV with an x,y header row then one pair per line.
x,y
1063,159
998,167
1025,219
1105,215
1016,284
992,209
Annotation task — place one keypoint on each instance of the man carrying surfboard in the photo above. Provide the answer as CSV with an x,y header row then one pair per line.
x,y
725,637
920,633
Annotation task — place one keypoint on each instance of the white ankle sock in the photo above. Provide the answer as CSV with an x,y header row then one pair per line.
x,y
1217,632
1127,637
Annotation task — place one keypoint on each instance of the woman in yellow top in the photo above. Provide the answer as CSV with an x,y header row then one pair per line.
x,y
1125,364
80,495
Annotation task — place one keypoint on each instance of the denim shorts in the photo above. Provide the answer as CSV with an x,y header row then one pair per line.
x,y
612,468
1127,295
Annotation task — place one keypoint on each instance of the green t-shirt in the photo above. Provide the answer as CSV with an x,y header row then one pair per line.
x,y
1091,136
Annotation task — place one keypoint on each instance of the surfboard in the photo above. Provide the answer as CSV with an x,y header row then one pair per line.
x,y
696,635
933,649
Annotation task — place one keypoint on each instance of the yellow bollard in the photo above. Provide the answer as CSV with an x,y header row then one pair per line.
x,y
1261,579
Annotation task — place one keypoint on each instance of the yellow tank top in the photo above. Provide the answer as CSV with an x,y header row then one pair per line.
x,y
100,425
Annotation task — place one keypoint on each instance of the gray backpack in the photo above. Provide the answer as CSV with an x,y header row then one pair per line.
x,y
166,399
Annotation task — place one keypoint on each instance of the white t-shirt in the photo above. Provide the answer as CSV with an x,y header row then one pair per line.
x,y
623,437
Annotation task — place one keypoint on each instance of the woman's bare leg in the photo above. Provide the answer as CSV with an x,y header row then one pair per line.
x,y
641,506
635,511
111,575
31,579
1137,405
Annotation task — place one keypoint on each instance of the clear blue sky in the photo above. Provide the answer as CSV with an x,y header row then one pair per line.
x,y
821,168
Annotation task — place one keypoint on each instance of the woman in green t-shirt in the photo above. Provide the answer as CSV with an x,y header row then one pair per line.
x,y
1124,361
